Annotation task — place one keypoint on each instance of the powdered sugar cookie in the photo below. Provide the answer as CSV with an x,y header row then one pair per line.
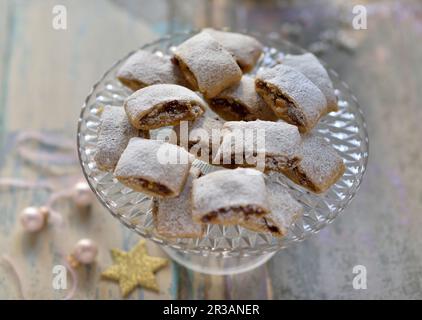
x,y
114,134
320,166
292,96
284,211
206,65
228,196
245,49
154,167
163,105
173,216
145,68
310,66
272,145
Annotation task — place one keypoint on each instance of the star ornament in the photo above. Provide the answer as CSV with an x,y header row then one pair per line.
x,y
134,268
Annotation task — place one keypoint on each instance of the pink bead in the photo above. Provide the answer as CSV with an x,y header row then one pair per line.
x,y
33,219
85,251
83,195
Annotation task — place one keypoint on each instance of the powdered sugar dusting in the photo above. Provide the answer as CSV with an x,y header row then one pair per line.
x,y
114,135
310,66
144,68
245,49
321,164
173,217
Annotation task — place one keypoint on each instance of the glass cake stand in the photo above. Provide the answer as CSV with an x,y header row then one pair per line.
x,y
228,249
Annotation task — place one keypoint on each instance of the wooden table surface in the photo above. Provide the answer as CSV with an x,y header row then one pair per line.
x,y
45,75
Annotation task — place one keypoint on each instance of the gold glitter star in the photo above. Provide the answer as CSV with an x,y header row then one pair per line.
x,y
134,268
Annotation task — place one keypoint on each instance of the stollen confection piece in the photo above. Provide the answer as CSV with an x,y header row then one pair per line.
x,y
114,134
163,105
284,211
206,65
145,68
201,137
310,66
173,216
228,196
154,167
245,49
241,102
273,146
320,166
293,97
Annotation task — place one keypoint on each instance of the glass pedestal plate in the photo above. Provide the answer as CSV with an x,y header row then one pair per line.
x,y
228,249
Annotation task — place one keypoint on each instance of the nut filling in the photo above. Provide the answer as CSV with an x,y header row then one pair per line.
x,y
277,163
157,188
282,105
273,229
171,113
189,76
245,210
233,110
132,84
301,178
